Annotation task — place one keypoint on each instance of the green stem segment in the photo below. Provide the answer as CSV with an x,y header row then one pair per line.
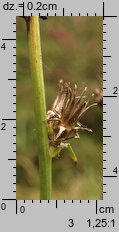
x,y
35,54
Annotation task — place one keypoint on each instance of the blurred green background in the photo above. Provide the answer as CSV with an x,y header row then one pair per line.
x,y
72,51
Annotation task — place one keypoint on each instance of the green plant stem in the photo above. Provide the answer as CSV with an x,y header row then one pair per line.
x,y
35,54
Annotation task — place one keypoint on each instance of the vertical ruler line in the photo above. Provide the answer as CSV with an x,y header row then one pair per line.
x,y
103,11
56,204
96,206
16,207
63,11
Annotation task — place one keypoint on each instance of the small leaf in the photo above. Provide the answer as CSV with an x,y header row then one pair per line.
x,y
70,151
55,151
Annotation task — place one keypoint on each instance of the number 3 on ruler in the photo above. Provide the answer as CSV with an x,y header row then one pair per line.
x,y
71,222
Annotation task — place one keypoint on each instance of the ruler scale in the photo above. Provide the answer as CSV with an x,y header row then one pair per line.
x,y
74,215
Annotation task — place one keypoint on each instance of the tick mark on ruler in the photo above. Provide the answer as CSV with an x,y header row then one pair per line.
x,y
107,136
107,16
63,11
106,56
8,39
103,11
110,16
56,204
96,206
8,199
16,206
109,176
8,119
110,96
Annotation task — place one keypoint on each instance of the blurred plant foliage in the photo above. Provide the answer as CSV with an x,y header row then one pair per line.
x,y
72,51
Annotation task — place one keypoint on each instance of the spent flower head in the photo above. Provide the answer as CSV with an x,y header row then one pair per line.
x,y
66,112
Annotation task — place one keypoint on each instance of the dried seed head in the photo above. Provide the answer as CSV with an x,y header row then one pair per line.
x,y
66,112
